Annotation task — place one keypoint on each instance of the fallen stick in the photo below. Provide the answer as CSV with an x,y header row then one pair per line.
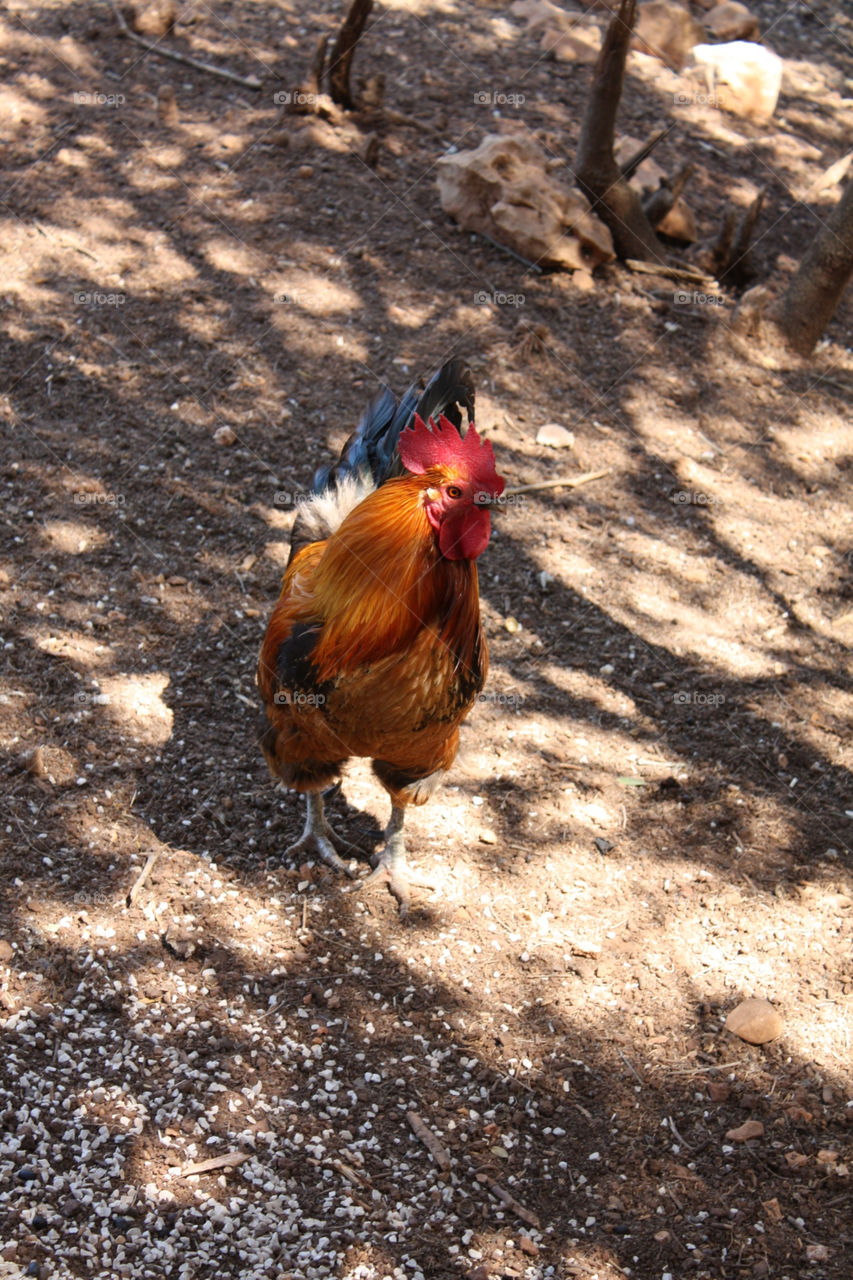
x,y
567,482
231,1161
510,1202
672,273
428,1138
836,172
248,82
138,883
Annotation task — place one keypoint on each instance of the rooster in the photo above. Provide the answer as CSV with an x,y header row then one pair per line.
x,y
375,647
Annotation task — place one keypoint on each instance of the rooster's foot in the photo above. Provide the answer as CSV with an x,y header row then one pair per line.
x,y
319,839
390,865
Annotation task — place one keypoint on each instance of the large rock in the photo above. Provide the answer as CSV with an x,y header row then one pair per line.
x,y
503,189
742,77
731,21
667,31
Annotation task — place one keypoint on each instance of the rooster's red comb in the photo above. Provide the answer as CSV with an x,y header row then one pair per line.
x,y
422,447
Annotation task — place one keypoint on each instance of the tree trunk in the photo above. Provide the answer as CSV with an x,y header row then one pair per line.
x,y
340,61
812,297
597,173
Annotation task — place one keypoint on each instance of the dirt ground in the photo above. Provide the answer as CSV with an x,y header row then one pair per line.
x,y
650,819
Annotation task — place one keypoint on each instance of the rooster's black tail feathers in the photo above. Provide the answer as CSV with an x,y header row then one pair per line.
x,y
371,450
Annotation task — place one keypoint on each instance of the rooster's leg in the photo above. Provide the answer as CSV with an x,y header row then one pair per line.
x,y
390,866
318,837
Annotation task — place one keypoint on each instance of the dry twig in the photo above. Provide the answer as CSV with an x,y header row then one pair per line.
x,y
510,1202
428,1138
671,273
248,82
230,1161
566,482
136,887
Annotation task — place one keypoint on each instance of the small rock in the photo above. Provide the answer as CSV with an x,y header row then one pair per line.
x,y
603,846
224,436
666,31
555,436
581,44
743,1133
6,950
772,1209
528,1246
755,1021
167,105
826,1159
731,21
717,1091
155,18
305,171
795,1159
583,280
512,625
180,942
488,837
679,224
817,1253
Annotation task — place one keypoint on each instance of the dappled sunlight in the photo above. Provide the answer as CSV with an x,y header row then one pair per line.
x,y
80,648
649,817
135,705
311,292
73,537
228,254
72,158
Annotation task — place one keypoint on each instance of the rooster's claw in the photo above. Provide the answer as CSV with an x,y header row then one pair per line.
x,y
388,871
319,843
319,838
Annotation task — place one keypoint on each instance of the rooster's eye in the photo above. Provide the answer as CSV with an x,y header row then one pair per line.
x,y
453,491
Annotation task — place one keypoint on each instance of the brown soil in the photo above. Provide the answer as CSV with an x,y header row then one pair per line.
x,y
651,815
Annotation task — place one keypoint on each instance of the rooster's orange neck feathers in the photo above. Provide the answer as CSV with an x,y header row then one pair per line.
x,y
382,578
